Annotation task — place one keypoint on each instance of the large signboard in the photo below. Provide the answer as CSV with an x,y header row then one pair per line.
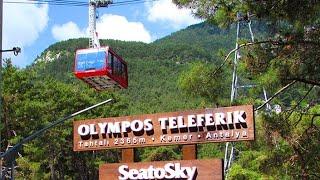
x,y
186,127
188,170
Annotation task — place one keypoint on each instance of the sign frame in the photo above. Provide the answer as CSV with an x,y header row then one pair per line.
x,y
228,124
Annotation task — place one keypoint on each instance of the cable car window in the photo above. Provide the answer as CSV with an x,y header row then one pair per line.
x,y
90,61
115,65
118,67
101,58
95,60
81,62
110,59
123,74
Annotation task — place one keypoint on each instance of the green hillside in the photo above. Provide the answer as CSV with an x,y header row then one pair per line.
x,y
153,68
48,90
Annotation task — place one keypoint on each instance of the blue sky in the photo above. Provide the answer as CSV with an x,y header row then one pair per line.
x,y
35,27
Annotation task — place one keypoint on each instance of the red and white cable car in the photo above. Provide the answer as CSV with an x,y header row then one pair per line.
x,y
101,68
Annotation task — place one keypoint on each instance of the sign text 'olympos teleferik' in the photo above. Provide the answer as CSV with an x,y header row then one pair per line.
x,y
187,127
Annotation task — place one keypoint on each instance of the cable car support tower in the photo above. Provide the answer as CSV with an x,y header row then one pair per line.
x,y
230,146
93,35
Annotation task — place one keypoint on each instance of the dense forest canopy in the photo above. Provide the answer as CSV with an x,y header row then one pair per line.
x,y
182,71
47,90
286,61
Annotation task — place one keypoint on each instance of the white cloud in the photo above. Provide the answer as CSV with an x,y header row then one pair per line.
x,y
22,25
108,27
67,31
118,27
167,12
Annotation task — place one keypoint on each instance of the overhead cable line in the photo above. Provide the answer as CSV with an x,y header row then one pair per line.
x,y
75,3
50,2
131,3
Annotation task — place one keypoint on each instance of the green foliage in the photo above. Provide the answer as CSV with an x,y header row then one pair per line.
x,y
198,80
164,153
294,27
288,143
224,12
240,173
156,83
207,151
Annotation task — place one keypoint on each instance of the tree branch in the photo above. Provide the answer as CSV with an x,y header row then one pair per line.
x,y
313,114
239,47
291,111
313,117
312,82
273,42
276,94
299,120
313,174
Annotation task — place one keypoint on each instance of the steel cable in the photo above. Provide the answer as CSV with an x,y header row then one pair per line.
x,y
74,3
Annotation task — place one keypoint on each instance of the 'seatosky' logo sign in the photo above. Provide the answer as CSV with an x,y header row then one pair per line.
x,y
169,171
184,169
188,127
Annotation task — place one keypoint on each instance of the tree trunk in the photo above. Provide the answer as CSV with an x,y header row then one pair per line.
x,y
51,164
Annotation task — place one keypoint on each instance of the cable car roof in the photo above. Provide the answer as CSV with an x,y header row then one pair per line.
x,y
92,50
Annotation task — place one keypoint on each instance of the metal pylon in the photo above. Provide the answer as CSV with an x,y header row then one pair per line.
x,y
229,147
93,36
92,25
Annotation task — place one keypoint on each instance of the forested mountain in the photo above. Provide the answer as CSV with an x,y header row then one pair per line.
x,y
174,73
48,90
153,68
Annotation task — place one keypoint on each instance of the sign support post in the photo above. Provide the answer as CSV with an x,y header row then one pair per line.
x,y
189,152
127,155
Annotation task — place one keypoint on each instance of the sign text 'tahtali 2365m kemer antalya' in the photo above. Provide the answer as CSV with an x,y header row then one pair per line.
x,y
186,127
